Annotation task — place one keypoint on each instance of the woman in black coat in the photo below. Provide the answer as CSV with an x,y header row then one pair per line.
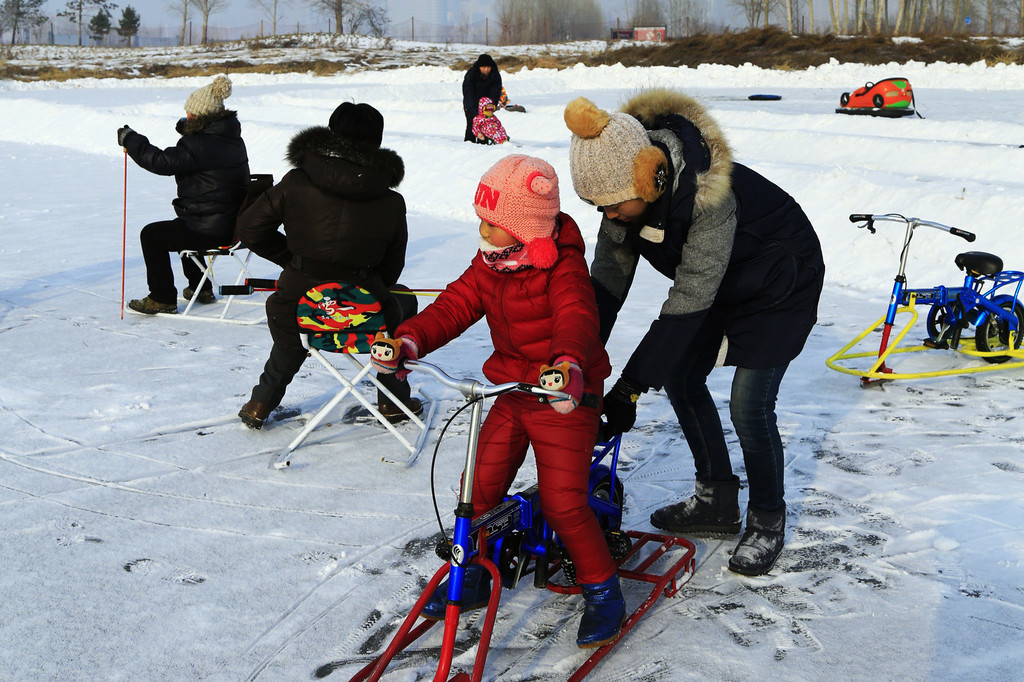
x,y
343,221
746,267
211,168
481,80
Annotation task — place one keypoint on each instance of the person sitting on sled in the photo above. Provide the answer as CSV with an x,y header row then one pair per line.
x,y
486,126
530,281
211,169
344,221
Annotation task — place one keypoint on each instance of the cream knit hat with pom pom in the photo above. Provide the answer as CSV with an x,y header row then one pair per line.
x,y
610,156
210,98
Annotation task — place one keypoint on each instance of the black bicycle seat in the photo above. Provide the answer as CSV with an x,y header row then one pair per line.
x,y
979,262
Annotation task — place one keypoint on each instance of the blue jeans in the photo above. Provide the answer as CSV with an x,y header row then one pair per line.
x,y
752,410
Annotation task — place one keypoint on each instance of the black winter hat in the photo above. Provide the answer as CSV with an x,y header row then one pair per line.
x,y
359,123
486,60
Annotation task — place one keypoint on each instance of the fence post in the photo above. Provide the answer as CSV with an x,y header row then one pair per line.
x,y
414,28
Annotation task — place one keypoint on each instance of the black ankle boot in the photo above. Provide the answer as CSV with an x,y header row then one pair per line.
x,y
761,543
713,508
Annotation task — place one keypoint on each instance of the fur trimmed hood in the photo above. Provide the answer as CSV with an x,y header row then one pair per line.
x,y
191,126
340,167
647,107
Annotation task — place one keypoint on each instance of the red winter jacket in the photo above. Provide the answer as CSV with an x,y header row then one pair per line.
x,y
534,315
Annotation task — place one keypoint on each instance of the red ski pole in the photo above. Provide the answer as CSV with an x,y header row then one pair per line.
x,y
124,228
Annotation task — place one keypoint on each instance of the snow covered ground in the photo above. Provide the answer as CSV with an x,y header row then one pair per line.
x,y
146,538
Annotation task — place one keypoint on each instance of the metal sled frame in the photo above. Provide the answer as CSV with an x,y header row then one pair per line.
x,y
879,371
363,371
471,538
648,549
218,312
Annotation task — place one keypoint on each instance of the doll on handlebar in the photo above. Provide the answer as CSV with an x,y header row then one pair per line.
x,y
530,281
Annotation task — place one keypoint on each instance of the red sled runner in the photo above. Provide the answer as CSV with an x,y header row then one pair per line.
x,y
513,540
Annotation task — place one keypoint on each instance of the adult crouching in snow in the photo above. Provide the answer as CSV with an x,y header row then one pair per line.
x,y
745,265
343,221
211,168
481,80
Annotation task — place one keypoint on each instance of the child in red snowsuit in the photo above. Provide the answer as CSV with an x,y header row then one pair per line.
x,y
530,281
486,126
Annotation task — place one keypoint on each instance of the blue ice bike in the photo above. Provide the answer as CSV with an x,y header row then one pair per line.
x,y
513,540
988,302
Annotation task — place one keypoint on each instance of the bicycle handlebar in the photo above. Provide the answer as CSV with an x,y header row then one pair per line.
x,y
870,219
473,389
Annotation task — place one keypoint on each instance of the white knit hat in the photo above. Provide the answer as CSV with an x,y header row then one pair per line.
x,y
610,156
209,99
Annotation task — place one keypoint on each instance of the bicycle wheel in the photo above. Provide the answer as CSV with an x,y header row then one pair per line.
x,y
994,333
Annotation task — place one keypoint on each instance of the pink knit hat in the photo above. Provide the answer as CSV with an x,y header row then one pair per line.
x,y
519,194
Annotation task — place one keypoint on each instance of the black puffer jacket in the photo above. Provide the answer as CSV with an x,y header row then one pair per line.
x,y
210,166
342,218
475,85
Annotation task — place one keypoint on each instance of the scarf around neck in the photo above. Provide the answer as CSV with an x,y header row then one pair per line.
x,y
505,258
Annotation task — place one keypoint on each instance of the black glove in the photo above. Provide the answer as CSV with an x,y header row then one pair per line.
x,y
122,133
620,407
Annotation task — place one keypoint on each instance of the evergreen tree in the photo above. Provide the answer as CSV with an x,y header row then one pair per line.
x,y
75,11
128,24
100,26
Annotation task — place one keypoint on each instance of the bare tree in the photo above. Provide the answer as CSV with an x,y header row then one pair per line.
x,y
538,21
751,10
206,8
182,6
270,10
338,9
15,14
684,17
647,13
373,18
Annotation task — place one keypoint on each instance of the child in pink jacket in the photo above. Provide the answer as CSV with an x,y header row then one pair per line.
x,y
530,281
486,126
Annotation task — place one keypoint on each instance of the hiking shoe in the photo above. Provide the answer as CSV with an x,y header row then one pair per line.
x,y
394,414
205,295
761,543
713,508
254,414
148,306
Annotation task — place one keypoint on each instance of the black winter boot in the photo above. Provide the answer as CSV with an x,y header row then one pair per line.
x,y
761,543
713,508
604,611
476,593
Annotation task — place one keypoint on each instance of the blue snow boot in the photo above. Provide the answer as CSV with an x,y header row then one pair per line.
x,y
604,611
476,592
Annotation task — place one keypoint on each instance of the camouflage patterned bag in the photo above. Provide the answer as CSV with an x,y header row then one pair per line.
x,y
340,318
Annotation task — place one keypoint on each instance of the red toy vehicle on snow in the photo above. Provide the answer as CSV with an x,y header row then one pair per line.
x,y
888,97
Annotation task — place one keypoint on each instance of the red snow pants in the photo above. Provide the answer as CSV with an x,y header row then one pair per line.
x,y
563,445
